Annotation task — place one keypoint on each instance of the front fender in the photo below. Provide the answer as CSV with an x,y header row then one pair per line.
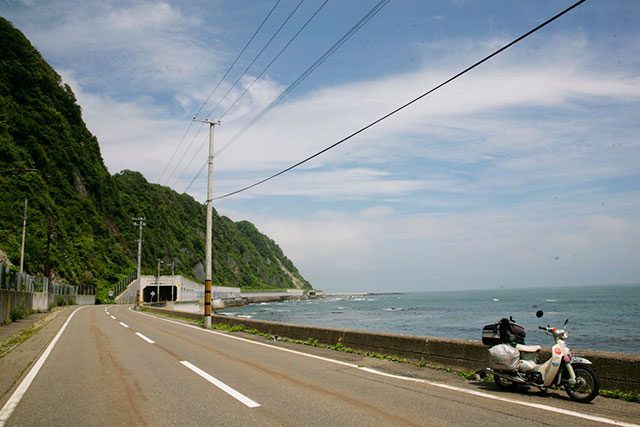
x,y
580,361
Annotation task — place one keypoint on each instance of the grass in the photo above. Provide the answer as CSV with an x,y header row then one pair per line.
x,y
9,344
627,396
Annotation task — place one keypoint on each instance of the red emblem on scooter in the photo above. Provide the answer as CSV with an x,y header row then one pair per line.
x,y
558,351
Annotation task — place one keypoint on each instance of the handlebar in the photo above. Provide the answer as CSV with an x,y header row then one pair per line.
x,y
544,328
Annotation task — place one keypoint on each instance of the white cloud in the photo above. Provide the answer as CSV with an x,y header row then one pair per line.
x,y
339,250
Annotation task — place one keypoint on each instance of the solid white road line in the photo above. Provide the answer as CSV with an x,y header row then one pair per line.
x,y
17,395
124,324
502,399
222,386
373,371
145,338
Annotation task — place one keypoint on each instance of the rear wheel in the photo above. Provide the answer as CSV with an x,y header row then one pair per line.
x,y
504,383
586,387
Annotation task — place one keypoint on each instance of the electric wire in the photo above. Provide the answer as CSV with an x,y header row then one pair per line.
x,y
210,95
274,59
256,58
202,144
299,80
238,57
485,59
306,74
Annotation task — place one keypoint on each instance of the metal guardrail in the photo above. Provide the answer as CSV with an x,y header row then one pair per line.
x,y
16,281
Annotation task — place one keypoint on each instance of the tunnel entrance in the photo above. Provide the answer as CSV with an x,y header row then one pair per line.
x,y
165,293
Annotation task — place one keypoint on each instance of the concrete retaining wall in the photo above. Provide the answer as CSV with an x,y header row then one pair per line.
x,y
616,370
37,301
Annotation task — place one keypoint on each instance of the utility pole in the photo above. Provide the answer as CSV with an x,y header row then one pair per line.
x,y
139,222
24,231
207,269
173,277
158,281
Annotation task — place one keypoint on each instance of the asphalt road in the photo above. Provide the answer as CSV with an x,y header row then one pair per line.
x,y
114,366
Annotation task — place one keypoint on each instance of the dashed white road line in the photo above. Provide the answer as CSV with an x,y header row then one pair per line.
x,y
124,324
150,341
113,317
222,386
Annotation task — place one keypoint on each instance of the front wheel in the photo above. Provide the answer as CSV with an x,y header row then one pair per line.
x,y
586,387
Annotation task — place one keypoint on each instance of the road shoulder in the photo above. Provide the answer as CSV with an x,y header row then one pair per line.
x,y
19,350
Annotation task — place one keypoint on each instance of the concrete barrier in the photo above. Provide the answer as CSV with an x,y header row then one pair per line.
x,y
617,371
37,301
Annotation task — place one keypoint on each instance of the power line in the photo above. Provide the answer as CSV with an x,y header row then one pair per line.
x,y
299,80
227,93
238,57
275,58
306,74
210,95
256,58
405,105
175,152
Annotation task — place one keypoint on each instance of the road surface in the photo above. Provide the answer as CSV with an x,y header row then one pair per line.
x,y
114,366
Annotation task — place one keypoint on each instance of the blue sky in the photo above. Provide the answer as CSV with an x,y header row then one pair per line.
x,y
523,172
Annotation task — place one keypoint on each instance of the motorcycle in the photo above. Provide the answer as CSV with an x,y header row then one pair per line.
x,y
513,364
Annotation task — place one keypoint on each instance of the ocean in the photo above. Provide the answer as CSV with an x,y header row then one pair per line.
x,y
600,317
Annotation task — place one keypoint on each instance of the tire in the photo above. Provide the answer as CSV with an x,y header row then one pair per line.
x,y
587,384
504,383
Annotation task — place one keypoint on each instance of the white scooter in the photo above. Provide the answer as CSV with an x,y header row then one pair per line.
x,y
511,368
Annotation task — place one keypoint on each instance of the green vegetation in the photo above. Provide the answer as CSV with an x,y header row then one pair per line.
x,y
79,228
627,396
18,313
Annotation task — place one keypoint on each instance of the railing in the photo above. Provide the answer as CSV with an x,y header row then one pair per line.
x,y
16,281
122,284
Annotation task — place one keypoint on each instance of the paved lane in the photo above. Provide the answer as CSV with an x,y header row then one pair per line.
x,y
113,366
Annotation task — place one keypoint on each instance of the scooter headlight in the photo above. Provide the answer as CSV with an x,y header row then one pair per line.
x,y
565,335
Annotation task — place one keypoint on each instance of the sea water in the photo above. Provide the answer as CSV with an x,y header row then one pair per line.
x,y
600,317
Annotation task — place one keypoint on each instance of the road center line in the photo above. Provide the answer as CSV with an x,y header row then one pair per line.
x,y
222,386
150,341
124,324
17,395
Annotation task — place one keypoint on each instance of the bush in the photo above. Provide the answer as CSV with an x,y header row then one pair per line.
x,y
18,313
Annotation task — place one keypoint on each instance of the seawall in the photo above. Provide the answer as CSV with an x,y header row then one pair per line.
x,y
619,371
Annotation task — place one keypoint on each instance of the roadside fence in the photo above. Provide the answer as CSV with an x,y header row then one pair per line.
x,y
15,281
123,284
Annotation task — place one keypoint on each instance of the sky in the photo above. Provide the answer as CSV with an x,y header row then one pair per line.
x,y
523,172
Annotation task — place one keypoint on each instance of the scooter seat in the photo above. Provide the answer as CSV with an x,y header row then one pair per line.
x,y
528,348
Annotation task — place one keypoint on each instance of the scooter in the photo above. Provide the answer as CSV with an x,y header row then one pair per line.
x,y
512,367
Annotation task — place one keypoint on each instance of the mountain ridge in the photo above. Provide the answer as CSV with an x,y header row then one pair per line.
x,y
79,225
